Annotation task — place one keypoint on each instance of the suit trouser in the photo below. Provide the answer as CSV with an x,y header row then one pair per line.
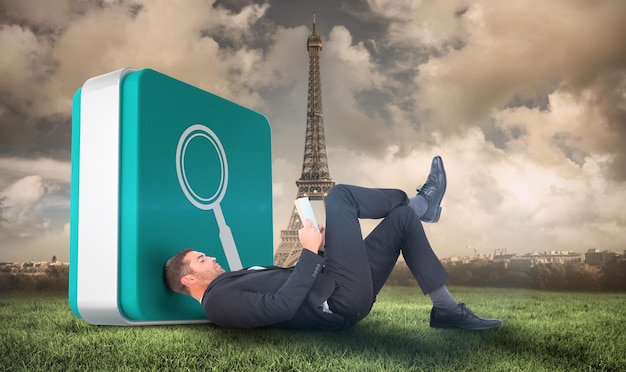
x,y
361,267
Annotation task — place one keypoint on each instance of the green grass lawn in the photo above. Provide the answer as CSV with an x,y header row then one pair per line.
x,y
542,331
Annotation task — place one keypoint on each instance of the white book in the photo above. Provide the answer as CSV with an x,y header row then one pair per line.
x,y
305,211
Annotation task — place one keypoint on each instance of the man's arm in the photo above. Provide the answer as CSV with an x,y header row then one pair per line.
x,y
229,306
233,307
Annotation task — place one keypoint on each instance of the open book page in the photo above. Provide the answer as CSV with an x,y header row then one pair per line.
x,y
305,211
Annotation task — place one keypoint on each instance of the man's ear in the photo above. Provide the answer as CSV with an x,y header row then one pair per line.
x,y
188,280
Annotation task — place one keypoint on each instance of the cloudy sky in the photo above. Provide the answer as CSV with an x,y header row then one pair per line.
x,y
525,101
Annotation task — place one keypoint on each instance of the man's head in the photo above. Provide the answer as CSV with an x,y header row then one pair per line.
x,y
190,272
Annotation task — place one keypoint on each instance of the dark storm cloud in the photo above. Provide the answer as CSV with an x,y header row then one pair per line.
x,y
26,135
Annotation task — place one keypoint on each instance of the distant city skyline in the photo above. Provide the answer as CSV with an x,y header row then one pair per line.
x,y
524,103
478,255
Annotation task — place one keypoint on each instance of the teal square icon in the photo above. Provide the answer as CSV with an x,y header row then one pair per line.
x,y
193,171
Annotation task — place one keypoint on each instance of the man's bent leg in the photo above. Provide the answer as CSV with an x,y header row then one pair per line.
x,y
420,258
402,231
346,257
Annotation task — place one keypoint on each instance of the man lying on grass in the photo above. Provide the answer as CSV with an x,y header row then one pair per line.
x,y
335,282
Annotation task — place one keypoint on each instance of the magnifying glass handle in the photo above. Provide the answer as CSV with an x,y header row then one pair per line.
x,y
228,242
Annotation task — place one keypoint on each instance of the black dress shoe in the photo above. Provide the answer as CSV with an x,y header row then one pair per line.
x,y
460,317
433,190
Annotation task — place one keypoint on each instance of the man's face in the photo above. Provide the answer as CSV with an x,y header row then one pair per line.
x,y
203,268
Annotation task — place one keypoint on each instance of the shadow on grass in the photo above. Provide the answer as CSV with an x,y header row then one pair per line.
x,y
371,342
561,350
417,346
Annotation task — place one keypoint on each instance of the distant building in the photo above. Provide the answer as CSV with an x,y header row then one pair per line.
x,y
521,262
595,257
507,260
458,260
528,260
554,257
504,257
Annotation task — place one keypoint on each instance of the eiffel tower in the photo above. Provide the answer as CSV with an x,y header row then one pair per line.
x,y
315,181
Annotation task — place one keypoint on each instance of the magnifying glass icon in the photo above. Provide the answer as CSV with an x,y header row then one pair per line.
x,y
200,132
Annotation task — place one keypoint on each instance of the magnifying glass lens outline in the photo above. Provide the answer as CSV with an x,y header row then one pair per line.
x,y
197,200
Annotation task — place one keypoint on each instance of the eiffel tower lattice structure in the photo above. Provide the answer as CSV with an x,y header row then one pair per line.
x,y
315,181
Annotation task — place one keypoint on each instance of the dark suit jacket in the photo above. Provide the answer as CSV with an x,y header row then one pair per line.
x,y
275,297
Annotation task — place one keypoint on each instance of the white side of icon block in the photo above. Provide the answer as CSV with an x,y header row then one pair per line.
x,y
98,203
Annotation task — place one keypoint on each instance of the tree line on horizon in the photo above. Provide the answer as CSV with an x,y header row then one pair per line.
x,y
570,276
54,280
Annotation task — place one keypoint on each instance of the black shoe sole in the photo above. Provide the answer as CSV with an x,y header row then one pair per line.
x,y
448,325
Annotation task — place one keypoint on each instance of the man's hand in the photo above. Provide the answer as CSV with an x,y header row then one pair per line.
x,y
310,238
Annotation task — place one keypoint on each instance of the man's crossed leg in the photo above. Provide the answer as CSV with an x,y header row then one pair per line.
x,y
361,267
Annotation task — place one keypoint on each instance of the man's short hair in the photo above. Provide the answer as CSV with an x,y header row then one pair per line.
x,y
175,268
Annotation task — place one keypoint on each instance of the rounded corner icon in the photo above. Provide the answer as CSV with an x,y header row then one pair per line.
x,y
102,295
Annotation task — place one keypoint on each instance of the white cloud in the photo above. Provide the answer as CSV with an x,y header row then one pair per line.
x,y
352,61
237,25
53,171
31,207
20,214
26,191
66,231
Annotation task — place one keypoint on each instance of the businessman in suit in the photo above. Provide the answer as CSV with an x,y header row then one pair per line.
x,y
335,282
